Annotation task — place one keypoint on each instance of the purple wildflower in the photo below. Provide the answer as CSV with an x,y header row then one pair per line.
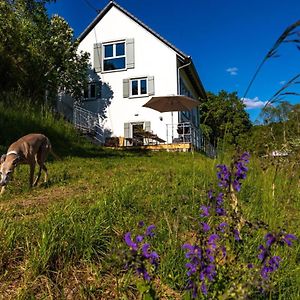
x,y
263,254
212,240
270,239
205,226
237,236
204,288
223,176
152,256
149,230
219,199
288,239
209,272
142,271
210,194
140,255
270,266
154,259
130,242
193,251
222,226
139,238
145,249
205,211
141,224
240,171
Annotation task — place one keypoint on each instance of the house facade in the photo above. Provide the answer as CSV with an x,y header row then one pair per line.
x,y
130,63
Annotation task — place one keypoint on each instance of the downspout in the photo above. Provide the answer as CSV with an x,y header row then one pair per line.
x,y
178,76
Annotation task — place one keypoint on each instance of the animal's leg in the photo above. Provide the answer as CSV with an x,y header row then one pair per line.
x,y
41,157
32,167
42,167
38,176
2,190
46,173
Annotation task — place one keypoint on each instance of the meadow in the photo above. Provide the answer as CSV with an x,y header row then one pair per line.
x,y
65,239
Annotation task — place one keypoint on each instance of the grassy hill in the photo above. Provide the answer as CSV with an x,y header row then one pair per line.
x,y
65,239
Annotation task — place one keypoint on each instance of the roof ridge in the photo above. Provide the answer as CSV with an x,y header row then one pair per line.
x,y
115,4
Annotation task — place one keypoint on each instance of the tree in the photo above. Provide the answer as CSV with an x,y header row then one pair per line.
x,y
38,53
223,116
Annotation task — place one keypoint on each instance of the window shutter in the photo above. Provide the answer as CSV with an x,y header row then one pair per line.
x,y
147,126
130,53
127,130
97,57
125,88
150,85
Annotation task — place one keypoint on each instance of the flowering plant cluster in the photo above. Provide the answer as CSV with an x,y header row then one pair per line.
x,y
269,262
215,248
209,252
218,221
140,258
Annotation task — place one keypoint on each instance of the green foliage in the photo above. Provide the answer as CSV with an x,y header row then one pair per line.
x,y
21,117
279,130
38,53
223,118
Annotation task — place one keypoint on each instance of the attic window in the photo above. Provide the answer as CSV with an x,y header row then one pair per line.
x,y
114,57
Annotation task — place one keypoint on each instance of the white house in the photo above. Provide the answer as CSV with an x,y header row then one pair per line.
x,y
131,63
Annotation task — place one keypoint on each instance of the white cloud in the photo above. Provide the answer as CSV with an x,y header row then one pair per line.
x,y
282,82
253,103
232,71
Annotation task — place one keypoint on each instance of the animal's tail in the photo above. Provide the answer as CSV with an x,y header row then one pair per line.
x,y
55,155
49,146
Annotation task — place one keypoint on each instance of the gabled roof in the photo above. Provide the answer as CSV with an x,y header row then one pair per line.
x,y
191,70
114,4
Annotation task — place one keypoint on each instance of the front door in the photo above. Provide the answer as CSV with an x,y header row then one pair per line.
x,y
137,128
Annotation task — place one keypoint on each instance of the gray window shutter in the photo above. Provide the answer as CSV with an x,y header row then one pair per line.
x,y
127,130
151,85
125,88
130,53
147,126
97,57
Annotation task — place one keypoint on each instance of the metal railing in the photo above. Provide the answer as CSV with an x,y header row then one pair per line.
x,y
187,133
89,123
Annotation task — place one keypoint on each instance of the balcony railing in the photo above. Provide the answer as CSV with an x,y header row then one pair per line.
x,y
187,133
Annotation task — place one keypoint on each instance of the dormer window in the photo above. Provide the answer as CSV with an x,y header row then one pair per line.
x,y
114,57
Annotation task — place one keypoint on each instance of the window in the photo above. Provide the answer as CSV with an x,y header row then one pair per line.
x,y
114,57
92,91
138,87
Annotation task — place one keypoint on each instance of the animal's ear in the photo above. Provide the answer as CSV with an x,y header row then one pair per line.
x,y
2,159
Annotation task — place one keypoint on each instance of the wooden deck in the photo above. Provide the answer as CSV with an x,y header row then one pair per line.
x,y
180,147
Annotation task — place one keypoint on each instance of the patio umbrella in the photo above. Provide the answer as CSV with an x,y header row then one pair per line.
x,y
171,103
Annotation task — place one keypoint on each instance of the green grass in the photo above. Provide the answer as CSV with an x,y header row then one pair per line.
x,y
64,239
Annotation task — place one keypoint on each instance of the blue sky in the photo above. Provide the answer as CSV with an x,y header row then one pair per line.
x,y
226,39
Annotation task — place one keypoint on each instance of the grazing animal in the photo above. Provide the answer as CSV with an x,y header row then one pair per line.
x,y
29,149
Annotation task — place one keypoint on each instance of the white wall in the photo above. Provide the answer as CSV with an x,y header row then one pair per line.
x,y
152,58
